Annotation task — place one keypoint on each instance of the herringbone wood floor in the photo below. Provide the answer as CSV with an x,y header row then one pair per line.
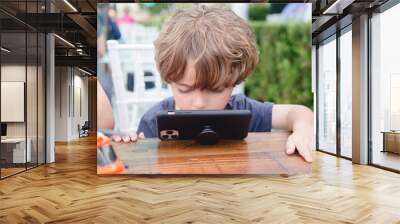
x,y
69,191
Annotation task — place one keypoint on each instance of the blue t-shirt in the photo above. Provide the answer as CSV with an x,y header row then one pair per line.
x,y
261,114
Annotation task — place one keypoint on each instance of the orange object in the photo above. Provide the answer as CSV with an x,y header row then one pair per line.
x,y
102,140
114,168
107,160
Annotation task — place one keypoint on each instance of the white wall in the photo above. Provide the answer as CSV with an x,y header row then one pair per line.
x,y
69,85
61,103
33,126
12,73
79,117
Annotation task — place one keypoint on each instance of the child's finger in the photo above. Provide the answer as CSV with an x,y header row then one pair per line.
x,y
141,135
116,138
290,146
126,139
133,137
304,151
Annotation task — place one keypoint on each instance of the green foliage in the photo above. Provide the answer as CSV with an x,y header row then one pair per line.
x,y
152,7
283,74
156,21
258,11
276,7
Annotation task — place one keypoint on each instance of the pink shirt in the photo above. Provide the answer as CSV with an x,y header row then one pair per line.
x,y
125,19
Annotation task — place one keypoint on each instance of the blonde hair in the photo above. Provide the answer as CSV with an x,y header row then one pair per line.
x,y
220,44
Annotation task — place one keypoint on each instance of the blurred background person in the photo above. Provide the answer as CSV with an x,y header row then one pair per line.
x,y
113,30
125,18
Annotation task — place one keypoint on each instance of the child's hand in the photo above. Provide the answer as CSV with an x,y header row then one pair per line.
x,y
302,141
299,119
127,138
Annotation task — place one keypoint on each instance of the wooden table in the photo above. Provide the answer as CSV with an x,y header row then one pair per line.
x,y
259,153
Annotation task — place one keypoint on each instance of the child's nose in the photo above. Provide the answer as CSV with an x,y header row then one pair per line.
x,y
199,102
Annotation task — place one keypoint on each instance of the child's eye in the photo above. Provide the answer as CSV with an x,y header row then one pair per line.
x,y
184,91
217,90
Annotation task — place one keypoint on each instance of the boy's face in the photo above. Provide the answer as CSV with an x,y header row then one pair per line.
x,y
187,99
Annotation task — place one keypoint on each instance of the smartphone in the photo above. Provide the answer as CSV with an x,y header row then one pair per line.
x,y
203,125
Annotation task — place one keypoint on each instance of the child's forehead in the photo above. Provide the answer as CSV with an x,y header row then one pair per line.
x,y
193,79
189,75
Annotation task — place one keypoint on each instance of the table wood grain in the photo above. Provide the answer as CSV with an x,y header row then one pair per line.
x,y
259,153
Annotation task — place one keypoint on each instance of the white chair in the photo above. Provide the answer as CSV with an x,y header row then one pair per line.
x,y
133,66
138,34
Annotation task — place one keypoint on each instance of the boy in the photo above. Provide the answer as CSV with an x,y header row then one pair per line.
x,y
203,52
